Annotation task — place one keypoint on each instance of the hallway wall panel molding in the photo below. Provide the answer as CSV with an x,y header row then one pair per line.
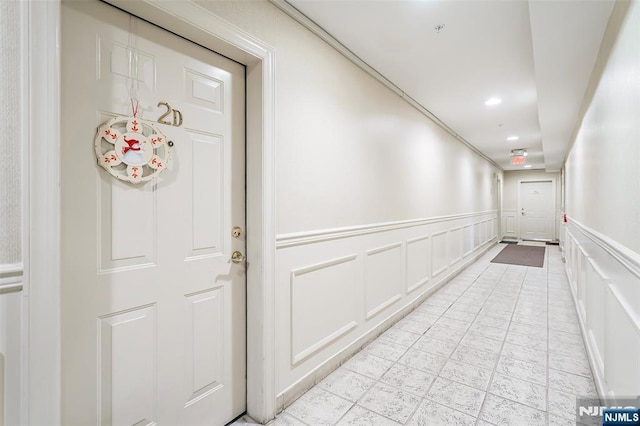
x,y
626,257
509,223
335,280
308,237
11,277
337,289
605,282
455,245
333,42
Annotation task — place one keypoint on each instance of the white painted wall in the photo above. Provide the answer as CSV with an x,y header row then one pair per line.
x,y
602,238
10,146
375,203
350,152
510,197
603,177
11,302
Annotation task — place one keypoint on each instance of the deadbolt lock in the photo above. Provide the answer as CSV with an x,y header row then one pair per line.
x,y
236,232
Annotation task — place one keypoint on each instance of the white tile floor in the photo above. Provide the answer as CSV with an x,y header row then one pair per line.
x,y
498,345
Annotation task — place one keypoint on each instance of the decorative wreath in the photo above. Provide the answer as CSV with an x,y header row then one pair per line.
x,y
132,149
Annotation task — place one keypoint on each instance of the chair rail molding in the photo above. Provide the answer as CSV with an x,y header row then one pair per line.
x,y
11,278
628,258
320,235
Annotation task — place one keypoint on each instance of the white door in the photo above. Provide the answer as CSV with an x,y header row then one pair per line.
x,y
153,312
536,202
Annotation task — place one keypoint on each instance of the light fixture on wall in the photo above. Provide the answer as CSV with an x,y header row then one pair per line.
x,y
493,101
519,157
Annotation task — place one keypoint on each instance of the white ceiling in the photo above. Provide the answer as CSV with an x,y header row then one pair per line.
x,y
537,56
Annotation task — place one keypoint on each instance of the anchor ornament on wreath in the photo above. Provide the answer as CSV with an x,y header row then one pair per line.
x,y
132,149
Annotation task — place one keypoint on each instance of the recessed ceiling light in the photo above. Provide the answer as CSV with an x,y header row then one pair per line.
x,y
527,166
513,138
492,101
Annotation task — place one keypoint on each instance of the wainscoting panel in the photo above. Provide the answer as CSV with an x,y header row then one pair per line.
x,y
455,245
468,240
383,272
581,285
12,316
439,253
337,289
477,234
494,228
595,289
509,224
322,305
418,262
621,368
486,231
604,278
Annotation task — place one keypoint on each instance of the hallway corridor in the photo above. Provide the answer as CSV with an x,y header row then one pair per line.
x,y
498,345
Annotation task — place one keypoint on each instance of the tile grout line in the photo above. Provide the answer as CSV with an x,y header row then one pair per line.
x,y
425,397
493,371
438,375
547,351
454,349
548,348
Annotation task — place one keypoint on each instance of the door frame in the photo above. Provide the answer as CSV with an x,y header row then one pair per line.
x,y
499,196
42,217
553,196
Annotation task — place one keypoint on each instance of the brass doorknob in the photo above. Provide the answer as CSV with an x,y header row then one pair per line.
x,y
236,257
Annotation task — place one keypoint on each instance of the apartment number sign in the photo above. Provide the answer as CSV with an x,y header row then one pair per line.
x,y
132,149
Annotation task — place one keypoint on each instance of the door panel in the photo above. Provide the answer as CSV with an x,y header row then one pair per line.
x,y
537,204
126,350
153,313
